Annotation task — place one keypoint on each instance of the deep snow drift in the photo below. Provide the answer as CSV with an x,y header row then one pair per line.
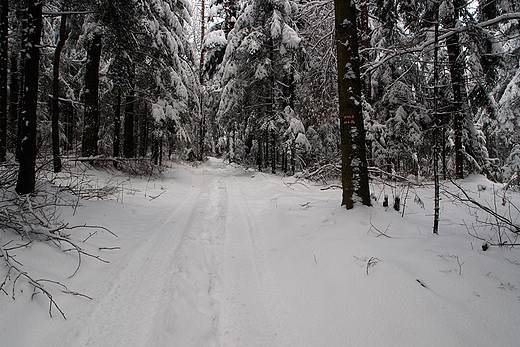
x,y
216,255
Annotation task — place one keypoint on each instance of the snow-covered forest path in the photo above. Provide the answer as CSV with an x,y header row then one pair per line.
x,y
199,279
215,255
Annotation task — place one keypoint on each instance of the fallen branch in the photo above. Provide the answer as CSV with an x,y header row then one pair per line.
x,y
379,232
509,224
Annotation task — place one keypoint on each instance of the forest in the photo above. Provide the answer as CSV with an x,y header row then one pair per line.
x,y
426,88
221,155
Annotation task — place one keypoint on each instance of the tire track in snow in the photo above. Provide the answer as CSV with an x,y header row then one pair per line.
x,y
190,314
125,315
246,311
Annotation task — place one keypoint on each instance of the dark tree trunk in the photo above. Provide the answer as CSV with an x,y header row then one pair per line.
x,y
56,95
436,126
161,150
364,42
117,126
353,154
273,152
202,34
128,143
69,126
143,127
89,146
29,100
459,90
14,98
202,136
4,56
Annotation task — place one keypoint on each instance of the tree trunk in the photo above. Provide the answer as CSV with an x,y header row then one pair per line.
x,y
69,126
128,142
364,42
202,34
29,100
14,99
56,95
89,146
144,129
436,126
3,79
117,127
459,90
354,170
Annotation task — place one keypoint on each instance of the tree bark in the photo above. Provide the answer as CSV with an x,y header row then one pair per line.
x,y
436,125
117,126
128,143
202,34
56,95
69,126
459,90
29,100
14,99
89,146
354,169
3,79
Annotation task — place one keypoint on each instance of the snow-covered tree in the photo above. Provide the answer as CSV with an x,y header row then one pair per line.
x,y
260,71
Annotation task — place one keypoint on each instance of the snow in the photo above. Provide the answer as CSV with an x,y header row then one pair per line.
x,y
215,255
289,37
276,28
214,39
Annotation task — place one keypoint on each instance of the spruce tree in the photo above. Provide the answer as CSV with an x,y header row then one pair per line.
x,y
354,170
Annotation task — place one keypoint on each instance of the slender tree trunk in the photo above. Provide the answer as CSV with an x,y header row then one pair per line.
x,y
117,126
143,144
69,126
273,152
14,97
56,95
364,42
202,34
29,100
353,154
436,126
128,142
227,20
161,151
4,56
89,145
459,90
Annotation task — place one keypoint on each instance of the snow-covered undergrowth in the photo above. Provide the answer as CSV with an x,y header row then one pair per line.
x,y
218,256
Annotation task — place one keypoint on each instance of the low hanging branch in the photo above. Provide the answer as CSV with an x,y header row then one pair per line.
x,y
450,32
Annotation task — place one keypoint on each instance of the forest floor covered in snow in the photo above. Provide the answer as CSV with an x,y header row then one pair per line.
x,y
216,255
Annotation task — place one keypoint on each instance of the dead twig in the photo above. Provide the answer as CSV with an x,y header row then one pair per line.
x,y
377,231
371,262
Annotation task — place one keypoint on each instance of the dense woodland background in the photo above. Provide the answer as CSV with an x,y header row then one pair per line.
x,y
256,82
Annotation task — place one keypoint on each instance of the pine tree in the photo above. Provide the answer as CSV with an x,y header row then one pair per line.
x,y
259,74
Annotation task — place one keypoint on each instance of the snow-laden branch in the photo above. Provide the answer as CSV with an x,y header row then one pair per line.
x,y
448,33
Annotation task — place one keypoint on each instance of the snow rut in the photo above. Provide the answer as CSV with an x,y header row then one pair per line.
x,y
199,280
246,311
126,315
189,316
